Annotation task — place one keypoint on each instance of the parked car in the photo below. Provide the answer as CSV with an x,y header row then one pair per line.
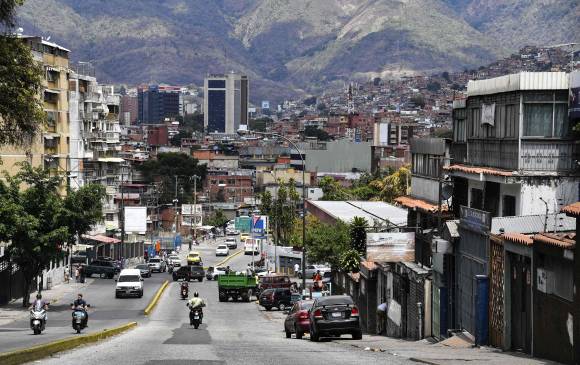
x,y
101,268
222,250
129,283
334,315
214,272
274,281
232,242
79,257
297,320
188,273
280,298
144,269
312,269
157,264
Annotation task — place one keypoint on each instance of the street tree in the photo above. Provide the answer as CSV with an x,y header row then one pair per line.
x,y
165,168
21,112
38,222
394,185
332,190
358,235
218,219
266,203
349,260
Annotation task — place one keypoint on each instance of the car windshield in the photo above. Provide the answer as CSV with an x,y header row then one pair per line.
x,y
174,257
306,305
222,247
154,260
128,278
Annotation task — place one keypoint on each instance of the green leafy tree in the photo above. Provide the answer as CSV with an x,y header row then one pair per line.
x,y
21,111
266,203
332,190
260,124
358,235
349,260
394,185
218,219
313,131
164,169
176,139
38,222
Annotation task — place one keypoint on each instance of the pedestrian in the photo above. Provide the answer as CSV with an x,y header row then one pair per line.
x,y
296,269
77,274
382,310
82,273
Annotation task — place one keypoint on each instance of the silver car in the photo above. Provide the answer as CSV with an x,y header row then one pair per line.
x,y
157,264
312,269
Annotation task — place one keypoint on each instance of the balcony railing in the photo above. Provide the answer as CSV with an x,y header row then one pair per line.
x,y
500,154
547,155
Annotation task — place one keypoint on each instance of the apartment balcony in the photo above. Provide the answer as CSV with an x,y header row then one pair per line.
x,y
543,155
110,208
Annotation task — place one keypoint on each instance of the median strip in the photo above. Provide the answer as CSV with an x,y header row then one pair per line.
x,y
50,348
229,258
156,297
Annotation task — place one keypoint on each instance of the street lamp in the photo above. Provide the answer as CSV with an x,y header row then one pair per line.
x,y
276,135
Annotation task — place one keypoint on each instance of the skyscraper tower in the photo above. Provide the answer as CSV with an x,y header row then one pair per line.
x,y
225,103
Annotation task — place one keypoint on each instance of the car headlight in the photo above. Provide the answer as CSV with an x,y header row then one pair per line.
x,y
136,288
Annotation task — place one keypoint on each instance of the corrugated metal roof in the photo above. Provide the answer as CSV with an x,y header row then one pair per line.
x,y
371,211
529,224
519,81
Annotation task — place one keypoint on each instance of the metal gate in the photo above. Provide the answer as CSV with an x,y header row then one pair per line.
x,y
496,295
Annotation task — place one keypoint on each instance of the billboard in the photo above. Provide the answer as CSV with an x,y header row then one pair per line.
x,y
243,224
391,247
191,214
260,225
265,104
135,219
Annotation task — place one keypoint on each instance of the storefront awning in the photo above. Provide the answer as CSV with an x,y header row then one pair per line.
x,y
101,239
51,135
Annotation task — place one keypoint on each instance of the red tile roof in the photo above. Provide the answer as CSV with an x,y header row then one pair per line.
x,y
523,239
478,170
562,240
572,209
101,238
414,203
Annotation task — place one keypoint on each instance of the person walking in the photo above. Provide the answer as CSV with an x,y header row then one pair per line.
x,y
77,274
296,269
382,310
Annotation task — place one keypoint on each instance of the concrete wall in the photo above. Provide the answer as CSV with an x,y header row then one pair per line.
x,y
340,156
557,192
426,189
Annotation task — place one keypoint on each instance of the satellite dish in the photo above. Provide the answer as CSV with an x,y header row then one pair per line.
x,y
446,191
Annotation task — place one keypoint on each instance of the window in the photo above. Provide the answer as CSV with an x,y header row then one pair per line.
x,y
109,217
545,116
459,131
509,206
475,124
476,199
510,121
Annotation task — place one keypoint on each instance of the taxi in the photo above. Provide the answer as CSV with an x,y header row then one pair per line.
x,y
193,258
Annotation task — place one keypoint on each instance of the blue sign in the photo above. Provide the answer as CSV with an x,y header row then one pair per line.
x,y
177,241
260,225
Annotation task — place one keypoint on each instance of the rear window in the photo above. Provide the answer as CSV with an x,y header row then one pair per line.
x,y
196,268
335,300
306,305
142,267
155,260
128,278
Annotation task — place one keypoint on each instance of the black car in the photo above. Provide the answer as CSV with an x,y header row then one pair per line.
x,y
189,273
280,298
334,315
102,268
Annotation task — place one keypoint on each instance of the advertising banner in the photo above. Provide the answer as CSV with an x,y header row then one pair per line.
x,y
135,220
243,224
391,247
260,225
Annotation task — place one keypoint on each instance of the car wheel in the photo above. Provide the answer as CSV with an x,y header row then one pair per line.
x,y
288,334
357,335
200,280
268,308
281,306
116,295
314,336
299,333
141,294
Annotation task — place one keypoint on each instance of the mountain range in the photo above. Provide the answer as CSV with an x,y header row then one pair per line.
x,y
292,47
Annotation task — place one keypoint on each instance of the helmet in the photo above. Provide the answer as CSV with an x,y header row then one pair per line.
x,y
196,294
38,296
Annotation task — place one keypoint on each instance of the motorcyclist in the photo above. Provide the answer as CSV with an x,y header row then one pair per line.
x,y
81,304
38,304
184,286
196,303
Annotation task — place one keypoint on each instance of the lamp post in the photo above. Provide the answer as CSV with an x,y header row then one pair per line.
x,y
276,135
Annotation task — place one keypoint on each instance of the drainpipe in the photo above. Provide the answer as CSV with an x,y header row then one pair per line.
x,y
420,311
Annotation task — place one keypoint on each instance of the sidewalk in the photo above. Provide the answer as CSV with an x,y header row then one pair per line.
x,y
456,352
14,311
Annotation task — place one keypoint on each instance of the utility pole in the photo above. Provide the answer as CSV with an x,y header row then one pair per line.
x,y
122,223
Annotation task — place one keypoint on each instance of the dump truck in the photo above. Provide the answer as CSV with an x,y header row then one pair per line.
x,y
236,286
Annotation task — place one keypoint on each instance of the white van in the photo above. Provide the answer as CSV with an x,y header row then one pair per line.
x,y
251,245
129,283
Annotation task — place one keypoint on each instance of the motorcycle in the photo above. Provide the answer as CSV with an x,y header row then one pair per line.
x,y
37,320
195,317
184,291
169,269
79,319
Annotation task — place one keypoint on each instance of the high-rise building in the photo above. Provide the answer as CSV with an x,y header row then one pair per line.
x,y
129,109
50,147
157,103
225,103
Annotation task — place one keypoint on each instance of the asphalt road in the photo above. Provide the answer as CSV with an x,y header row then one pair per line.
x,y
232,333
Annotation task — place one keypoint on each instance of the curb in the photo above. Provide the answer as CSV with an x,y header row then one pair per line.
x,y
421,361
47,349
155,299
229,258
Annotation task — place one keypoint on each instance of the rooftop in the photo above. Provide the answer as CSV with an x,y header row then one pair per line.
x,y
371,211
523,81
478,170
520,238
572,209
562,240
414,203
531,224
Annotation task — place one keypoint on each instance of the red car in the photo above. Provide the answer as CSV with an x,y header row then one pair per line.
x,y
297,320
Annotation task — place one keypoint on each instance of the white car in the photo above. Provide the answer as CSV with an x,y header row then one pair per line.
x,y
129,283
213,273
232,242
222,250
174,260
